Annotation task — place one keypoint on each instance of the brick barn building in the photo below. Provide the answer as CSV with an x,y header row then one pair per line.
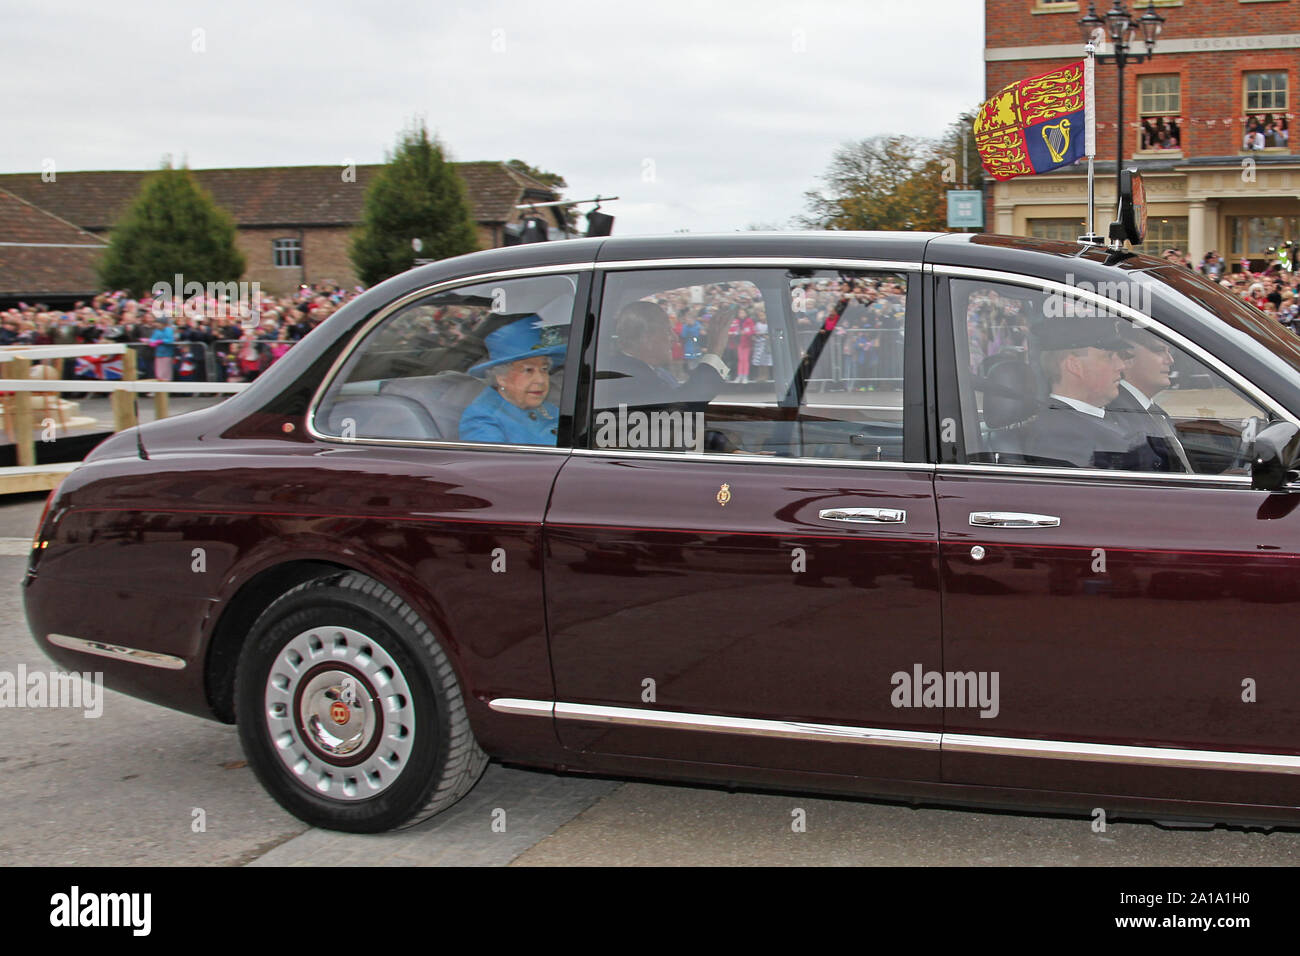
x,y
43,257
294,222
1220,66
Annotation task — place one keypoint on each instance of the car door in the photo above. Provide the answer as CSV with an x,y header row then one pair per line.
x,y
434,411
1133,621
740,584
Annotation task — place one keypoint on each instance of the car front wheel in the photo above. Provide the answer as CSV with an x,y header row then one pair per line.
x,y
349,711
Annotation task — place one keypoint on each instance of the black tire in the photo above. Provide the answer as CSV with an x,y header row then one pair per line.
x,y
343,653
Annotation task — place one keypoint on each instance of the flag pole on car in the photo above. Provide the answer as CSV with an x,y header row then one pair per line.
x,y
1090,133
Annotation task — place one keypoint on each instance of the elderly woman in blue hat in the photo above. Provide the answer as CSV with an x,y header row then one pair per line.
x,y
513,408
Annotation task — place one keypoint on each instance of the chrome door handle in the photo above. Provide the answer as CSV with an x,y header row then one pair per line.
x,y
1012,519
888,515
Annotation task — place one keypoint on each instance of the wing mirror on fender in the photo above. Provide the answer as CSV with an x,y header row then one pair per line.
x,y
1273,464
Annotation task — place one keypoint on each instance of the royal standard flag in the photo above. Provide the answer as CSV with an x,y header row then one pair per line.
x,y
1034,125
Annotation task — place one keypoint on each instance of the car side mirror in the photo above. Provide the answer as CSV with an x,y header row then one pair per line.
x,y
1273,463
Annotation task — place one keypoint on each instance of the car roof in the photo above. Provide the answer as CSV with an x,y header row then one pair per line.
x,y
1043,258
973,249
893,246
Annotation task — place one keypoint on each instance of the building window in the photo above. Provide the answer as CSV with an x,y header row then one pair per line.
x,y
1065,230
1164,232
287,252
1160,111
1055,6
1266,124
1253,236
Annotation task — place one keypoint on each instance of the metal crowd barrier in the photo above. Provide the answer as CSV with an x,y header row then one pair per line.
x,y
874,360
233,361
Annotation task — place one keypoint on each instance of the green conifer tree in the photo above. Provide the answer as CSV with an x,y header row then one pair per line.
x,y
173,227
417,195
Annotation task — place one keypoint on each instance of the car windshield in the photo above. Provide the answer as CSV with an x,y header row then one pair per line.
x,y
1281,344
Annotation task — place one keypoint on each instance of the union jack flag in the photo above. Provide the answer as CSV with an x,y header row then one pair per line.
x,y
103,367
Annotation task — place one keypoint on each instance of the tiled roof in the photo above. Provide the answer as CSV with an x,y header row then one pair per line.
x,y
265,195
41,254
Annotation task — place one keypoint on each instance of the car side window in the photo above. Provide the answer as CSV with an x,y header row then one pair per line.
x,y
478,363
1052,379
791,363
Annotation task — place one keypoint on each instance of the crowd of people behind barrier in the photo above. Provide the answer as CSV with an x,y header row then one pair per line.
x,y
863,353
200,339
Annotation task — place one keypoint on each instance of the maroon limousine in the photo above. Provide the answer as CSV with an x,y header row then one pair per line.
x,y
960,518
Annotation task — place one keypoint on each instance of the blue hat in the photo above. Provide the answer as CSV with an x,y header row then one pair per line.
x,y
521,339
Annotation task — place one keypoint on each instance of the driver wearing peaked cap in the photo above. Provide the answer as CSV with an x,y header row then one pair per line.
x,y
1083,360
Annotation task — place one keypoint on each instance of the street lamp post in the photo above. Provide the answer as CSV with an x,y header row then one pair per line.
x,y
1122,30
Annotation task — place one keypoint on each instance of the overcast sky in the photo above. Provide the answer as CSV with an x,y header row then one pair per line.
x,y
706,116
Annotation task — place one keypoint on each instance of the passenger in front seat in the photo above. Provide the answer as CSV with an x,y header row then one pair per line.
x,y
513,409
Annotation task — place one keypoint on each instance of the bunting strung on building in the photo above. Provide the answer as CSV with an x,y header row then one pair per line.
x,y
1034,125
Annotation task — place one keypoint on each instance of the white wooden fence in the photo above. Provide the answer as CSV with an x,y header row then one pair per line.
x,y
16,364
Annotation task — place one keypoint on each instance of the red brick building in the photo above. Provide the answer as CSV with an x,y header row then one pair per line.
x,y
294,222
1221,68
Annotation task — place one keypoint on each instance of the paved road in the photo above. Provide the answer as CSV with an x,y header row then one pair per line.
x,y
123,788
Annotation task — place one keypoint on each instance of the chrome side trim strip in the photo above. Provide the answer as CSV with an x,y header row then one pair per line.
x,y
518,705
1145,477
432,443
748,726
752,459
1141,319
921,740
1115,753
799,262
119,652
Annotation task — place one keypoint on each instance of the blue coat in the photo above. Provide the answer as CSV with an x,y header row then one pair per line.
x,y
491,418
162,340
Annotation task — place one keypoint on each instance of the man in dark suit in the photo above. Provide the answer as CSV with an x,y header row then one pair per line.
x,y
1083,359
638,371
1148,374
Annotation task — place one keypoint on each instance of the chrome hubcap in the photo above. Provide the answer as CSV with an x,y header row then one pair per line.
x,y
340,713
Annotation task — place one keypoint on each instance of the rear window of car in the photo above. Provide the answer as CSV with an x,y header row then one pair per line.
x,y
482,362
